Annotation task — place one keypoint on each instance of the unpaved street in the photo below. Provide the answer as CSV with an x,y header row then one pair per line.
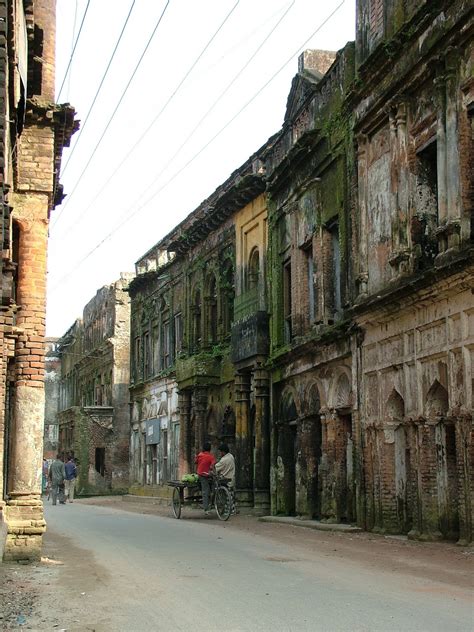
x,y
121,569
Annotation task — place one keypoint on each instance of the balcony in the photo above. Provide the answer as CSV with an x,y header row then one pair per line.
x,y
202,368
250,336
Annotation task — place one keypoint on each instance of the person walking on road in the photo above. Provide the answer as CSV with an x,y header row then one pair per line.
x,y
204,461
70,482
57,474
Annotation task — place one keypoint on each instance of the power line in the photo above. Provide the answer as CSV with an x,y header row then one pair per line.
x,y
117,44
222,94
114,112
191,160
76,8
73,50
145,133
178,151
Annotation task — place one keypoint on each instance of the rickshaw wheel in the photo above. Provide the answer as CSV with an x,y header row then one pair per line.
x,y
176,503
223,503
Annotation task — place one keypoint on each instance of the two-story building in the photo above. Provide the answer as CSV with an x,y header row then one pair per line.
x,y
183,302
93,412
309,173
414,304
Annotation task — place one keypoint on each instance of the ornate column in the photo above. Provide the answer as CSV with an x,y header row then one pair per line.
x,y
453,184
399,258
25,510
440,85
361,233
199,409
185,439
243,440
328,464
262,441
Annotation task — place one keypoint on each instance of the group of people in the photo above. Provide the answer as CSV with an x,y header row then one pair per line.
x,y
60,478
207,465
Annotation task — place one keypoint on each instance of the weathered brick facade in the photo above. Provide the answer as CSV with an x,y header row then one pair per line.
x,y
93,412
182,312
349,370
413,120
33,131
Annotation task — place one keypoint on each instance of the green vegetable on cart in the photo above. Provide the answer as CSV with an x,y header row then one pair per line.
x,y
190,478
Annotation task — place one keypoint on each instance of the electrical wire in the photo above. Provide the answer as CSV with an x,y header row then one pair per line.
x,y
129,216
94,151
73,51
76,8
84,123
153,122
222,94
197,126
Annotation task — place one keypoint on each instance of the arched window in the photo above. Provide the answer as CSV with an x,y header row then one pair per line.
x,y
227,296
212,309
253,272
197,307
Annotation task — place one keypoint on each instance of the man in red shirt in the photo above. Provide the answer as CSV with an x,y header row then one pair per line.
x,y
204,462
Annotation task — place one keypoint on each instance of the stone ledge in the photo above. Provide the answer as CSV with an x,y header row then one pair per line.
x,y
311,524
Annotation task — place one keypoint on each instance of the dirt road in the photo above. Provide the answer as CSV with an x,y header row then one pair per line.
x,y
113,565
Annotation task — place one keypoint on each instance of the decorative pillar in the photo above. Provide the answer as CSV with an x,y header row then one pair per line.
x,y
200,408
440,85
362,235
185,439
25,509
243,440
453,185
327,466
262,441
399,259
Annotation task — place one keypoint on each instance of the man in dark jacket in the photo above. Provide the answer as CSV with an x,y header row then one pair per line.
x,y
71,475
57,474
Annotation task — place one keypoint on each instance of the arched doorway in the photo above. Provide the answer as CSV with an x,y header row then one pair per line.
x,y
344,449
447,480
395,413
286,455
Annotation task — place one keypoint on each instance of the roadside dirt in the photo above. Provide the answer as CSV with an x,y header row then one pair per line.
x,y
29,599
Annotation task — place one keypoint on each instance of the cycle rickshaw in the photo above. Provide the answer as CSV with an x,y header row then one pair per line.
x,y
189,493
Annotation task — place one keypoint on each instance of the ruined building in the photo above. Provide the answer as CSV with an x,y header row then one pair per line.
x,y
52,376
33,132
93,410
413,359
316,311
182,313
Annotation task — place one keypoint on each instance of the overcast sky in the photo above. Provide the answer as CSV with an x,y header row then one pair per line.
x,y
130,194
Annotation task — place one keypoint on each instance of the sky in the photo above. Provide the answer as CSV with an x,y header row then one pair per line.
x,y
193,88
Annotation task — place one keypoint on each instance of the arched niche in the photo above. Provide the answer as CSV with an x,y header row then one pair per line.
x,y
395,406
341,398
212,423
437,400
313,400
288,411
253,269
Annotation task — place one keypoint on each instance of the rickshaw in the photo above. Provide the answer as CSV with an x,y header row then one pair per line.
x,y
189,493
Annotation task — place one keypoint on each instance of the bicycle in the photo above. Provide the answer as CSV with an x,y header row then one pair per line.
x,y
220,498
